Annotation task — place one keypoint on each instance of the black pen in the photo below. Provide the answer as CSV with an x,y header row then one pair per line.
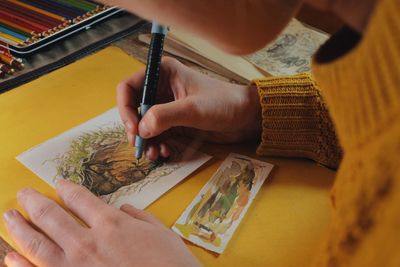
x,y
158,33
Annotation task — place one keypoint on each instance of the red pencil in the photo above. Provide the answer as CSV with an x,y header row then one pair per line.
x,y
23,22
17,26
30,14
22,15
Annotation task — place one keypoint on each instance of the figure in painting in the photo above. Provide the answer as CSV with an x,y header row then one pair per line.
x,y
222,204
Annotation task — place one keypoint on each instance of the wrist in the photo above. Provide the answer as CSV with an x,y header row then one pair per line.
x,y
252,112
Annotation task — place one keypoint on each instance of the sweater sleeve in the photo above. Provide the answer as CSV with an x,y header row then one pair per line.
x,y
296,121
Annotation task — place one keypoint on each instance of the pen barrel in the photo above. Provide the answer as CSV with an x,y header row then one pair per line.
x,y
153,68
140,143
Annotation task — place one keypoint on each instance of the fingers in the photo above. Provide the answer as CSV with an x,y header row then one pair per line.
x,y
13,259
140,214
34,245
50,217
164,151
165,116
82,202
153,151
128,100
129,93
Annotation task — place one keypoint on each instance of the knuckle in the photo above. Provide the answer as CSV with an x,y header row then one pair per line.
x,y
42,211
169,60
34,247
190,104
175,80
84,247
153,118
192,107
109,220
121,87
75,196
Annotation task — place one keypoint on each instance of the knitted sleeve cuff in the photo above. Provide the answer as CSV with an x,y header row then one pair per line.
x,y
295,120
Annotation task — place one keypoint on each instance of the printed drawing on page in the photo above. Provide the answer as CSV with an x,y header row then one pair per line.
x,y
97,155
213,216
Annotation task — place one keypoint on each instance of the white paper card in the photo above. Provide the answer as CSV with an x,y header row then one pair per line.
x,y
96,154
213,216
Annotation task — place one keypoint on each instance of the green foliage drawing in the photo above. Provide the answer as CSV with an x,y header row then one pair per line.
x,y
103,161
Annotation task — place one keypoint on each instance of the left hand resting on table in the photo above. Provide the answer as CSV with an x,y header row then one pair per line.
x,y
125,237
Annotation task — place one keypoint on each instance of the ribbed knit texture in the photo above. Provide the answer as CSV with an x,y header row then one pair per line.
x,y
295,120
362,91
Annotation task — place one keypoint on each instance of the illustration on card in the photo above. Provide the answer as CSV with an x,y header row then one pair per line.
x,y
102,161
216,212
97,155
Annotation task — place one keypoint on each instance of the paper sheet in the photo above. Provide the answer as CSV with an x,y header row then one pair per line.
x,y
96,154
291,52
213,216
219,59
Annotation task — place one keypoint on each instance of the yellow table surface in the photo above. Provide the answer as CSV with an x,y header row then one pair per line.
x,y
283,226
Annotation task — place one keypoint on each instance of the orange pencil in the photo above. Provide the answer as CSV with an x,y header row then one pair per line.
x,y
11,61
38,10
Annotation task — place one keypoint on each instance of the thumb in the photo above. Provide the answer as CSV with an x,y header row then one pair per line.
x,y
13,259
162,117
140,214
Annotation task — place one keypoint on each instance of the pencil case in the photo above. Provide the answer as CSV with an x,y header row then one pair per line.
x,y
73,48
27,26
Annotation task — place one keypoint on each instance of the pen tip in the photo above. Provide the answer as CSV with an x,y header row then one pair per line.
x,y
138,157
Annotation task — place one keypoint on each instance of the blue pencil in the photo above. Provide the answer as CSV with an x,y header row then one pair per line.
x,y
23,38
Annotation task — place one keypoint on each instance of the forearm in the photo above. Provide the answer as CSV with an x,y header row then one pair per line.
x,y
295,120
238,27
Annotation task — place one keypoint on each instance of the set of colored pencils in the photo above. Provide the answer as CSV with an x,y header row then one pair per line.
x,y
9,64
22,22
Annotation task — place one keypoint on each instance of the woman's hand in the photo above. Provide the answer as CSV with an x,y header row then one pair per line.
x,y
125,237
191,104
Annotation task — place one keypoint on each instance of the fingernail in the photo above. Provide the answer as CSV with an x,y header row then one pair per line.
x,y
25,191
11,257
129,126
60,182
9,215
147,154
57,182
143,130
131,139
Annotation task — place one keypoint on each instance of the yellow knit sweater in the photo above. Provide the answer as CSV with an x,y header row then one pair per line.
x,y
358,81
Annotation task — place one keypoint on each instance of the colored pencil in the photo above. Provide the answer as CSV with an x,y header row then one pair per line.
x,y
17,27
6,69
56,8
11,61
23,22
30,24
7,36
29,15
38,10
14,34
16,30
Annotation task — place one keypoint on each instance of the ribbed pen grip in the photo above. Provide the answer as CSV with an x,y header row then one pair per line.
x,y
153,68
